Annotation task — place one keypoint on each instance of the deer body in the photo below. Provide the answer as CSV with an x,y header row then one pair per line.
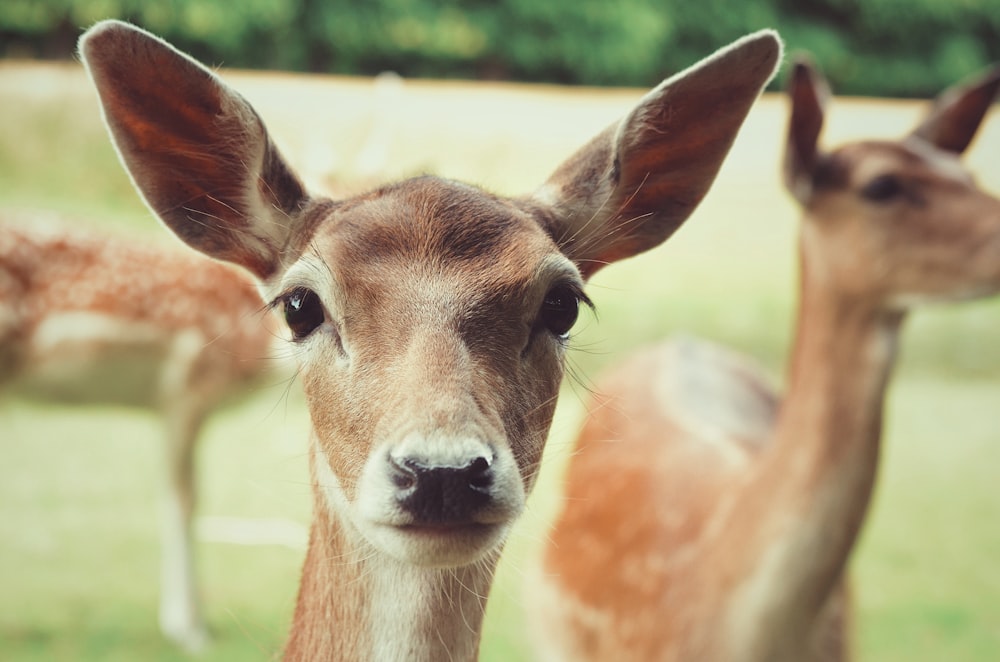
x,y
87,318
74,310
429,318
707,520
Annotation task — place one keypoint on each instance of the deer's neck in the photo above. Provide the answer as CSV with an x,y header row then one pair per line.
x,y
827,438
357,603
805,504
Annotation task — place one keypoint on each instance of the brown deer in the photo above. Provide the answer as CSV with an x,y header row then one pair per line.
x,y
91,318
429,318
704,519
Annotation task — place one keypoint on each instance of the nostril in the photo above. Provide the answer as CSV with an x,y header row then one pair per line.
x,y
403,477
404,481
480,476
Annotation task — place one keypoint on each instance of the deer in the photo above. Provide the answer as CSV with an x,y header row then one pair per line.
x,y
429,319
89,317
704,516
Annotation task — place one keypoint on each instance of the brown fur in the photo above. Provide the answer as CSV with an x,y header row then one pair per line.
x,y
172,332
435,352
686,537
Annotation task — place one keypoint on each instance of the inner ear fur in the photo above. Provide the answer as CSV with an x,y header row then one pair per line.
x,y
634,184
195,149
808,94
956,114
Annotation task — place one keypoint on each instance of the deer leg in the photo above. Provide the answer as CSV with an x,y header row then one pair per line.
x,y
181,619
180,606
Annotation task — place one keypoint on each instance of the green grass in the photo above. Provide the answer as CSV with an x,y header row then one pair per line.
x,y
79,522
79,487
928,586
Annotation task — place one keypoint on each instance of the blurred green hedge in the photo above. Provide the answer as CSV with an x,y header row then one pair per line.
x,y
867,47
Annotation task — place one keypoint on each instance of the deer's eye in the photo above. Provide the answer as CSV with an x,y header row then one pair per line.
x,y
883,188
303,312
560,309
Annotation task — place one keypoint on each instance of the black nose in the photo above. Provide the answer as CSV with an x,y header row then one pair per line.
x,y
443,495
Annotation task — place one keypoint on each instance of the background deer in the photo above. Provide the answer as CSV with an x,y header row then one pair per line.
x,y
704,519
88,318
429,318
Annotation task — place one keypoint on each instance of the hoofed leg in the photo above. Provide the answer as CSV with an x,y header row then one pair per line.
x,y
184,410
180,606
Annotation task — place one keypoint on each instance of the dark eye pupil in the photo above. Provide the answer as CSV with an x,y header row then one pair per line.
x,y
303,312
559,310
882,188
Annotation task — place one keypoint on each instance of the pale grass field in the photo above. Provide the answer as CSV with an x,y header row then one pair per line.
x,y
78,489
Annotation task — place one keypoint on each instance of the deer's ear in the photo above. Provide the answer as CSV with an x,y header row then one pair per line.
x,y
634,184
807,93
957,112
198,153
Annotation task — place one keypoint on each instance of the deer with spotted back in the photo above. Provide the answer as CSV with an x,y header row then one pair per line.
x,y
705,518
90,317
429,318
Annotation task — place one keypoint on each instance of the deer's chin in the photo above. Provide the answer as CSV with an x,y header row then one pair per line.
x,y
439,545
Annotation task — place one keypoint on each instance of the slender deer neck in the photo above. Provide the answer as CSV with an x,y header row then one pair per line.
x,y
807,499
357,603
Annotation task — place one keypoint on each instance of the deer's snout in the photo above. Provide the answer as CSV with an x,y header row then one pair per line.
x,y
443,494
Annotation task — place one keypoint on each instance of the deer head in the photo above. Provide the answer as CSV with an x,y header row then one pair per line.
x,y
895,222
430,318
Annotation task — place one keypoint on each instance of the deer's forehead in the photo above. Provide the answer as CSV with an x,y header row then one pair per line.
x,y
430,239
430,223
432,219
858,163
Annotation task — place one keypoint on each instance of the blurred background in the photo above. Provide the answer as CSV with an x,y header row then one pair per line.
x,y
893,48
496,93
